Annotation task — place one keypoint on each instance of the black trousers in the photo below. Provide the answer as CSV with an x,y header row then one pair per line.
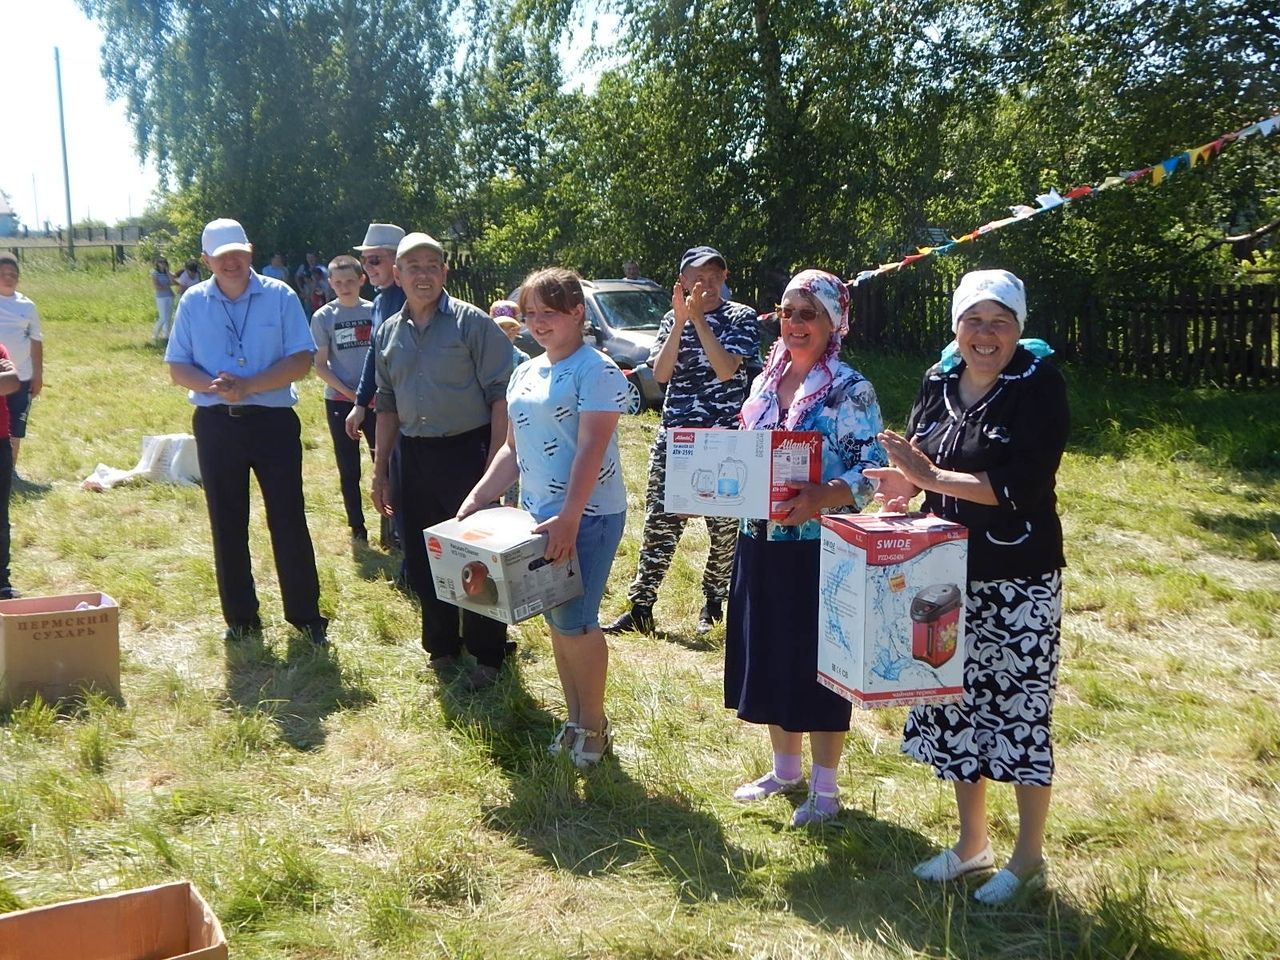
x,y
347,453
6,489
436,474
268,442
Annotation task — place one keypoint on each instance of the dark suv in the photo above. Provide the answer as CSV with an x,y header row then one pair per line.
x,y
622,322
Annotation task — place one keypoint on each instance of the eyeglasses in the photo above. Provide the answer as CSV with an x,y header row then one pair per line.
x,y
374,261
802,314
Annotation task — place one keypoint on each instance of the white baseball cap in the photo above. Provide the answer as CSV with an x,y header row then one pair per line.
x,y
223,236
998,285
412,241
381,236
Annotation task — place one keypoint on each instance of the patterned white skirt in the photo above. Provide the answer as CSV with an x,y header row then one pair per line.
x,y
1001,729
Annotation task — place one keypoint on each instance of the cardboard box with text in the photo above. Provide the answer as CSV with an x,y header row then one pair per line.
x,y
49,647
738,473
891,609
491,562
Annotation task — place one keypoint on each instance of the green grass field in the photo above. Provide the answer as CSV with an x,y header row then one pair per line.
x,y
345,804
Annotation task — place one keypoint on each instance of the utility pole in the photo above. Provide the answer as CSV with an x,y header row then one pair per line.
x,y
66,174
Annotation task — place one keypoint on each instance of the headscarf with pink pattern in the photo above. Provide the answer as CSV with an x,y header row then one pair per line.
x,y
761,411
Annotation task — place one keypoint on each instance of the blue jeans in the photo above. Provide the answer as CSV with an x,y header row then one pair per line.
x,y
595,548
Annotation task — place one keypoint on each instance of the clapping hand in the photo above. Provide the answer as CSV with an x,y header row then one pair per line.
x,y
687,307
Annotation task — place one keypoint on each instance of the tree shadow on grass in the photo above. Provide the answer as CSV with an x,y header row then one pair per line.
x,y
595,821
1245,532
297,691
865,887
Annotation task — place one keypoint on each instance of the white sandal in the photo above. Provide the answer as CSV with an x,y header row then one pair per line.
x,y
568,731
1005,885
811,812
948,866
766,787
583,758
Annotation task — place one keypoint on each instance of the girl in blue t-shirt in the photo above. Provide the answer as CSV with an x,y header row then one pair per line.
x,y
563,408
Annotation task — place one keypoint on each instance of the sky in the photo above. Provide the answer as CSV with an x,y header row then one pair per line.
x,y
107,181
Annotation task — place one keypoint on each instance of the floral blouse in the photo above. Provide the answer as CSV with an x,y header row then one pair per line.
x,y
848,419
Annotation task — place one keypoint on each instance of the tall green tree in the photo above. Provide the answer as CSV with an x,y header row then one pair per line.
x,y
303,118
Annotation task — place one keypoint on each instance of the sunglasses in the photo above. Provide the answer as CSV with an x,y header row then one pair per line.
x,y
803,314
374,261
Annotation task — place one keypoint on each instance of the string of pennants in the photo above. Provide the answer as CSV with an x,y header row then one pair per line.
x,y
1053,200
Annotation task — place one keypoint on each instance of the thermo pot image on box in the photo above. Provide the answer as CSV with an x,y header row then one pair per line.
x,y
935,612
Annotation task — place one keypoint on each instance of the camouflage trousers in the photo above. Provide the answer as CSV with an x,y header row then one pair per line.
x,y
662,535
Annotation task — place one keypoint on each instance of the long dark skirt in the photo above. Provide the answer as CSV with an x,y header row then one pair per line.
x,y
771,639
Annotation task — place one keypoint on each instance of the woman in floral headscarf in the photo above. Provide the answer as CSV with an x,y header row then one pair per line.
x,y
771,656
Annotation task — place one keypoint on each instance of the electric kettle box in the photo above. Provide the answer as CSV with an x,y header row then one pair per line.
x,y
738,473
891,593
491,562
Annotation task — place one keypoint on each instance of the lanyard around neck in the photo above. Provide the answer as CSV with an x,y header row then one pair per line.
x,y
235,331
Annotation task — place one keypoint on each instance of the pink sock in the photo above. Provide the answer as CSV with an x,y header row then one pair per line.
x,y
786,766
824,779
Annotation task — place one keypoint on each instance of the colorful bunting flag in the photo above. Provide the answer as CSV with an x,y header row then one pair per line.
x,y
1052,200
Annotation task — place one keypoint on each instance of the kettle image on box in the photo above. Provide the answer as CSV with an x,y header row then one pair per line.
x,y
478,585
704,484
935,615
730,479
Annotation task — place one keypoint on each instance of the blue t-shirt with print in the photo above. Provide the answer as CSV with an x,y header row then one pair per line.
x,y
544,402
695,396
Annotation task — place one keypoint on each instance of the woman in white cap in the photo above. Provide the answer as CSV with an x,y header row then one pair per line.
x,y
983,443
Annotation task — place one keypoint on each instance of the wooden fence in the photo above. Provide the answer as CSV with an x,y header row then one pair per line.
x,y
1218,335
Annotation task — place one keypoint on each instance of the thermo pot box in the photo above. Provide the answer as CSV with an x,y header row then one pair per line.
x,y
491,562
891,609
738,473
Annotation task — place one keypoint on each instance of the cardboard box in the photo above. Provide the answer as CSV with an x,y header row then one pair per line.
x,y
492,563
49,647
167,922
738,473
891,609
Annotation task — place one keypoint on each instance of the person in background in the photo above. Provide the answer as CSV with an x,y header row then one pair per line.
x,y
700,354
563,408
631,271
983,442
343,331
771,632
189,276
239,342
10,383
20,335
162,283
506,314
378,257
276,269
309,265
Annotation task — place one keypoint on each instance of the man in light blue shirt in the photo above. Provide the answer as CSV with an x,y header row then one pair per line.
x,y
239,342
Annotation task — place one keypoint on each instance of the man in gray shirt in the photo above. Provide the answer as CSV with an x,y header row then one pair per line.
x,y
441,367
